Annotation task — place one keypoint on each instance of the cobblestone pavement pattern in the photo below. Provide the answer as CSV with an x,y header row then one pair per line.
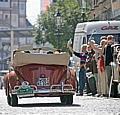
x,y
85,105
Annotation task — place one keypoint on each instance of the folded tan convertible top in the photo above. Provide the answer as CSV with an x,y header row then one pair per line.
x,y
21,58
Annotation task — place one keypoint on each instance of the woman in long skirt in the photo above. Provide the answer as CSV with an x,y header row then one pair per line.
x,y
102,87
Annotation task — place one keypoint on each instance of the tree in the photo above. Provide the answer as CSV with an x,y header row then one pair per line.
x,y
71,15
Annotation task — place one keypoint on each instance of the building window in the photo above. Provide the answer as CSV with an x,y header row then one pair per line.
x,y
1,15
94,2
114,0
22,22
22,6
6,16
15,5
14,18
3,0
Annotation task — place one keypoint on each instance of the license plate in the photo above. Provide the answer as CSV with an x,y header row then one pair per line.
x,y
42,82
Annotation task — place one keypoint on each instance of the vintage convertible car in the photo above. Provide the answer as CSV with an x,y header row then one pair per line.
x,y
40,75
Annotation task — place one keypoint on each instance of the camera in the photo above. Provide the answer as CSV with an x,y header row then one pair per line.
x,y
117,49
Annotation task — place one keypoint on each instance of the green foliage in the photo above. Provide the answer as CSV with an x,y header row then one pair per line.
x,y
71,15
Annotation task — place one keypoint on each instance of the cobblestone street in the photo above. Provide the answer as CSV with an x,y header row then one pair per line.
x,y
85,105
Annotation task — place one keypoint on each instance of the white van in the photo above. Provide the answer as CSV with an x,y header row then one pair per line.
x,y
95,30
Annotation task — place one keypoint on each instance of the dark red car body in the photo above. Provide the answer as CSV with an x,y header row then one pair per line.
x,y
40,80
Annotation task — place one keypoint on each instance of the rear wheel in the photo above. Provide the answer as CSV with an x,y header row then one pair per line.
x,y
1,85
69,99
8,94
8,99
14,100
66,99
63,99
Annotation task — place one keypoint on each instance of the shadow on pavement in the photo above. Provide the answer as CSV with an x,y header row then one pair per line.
x,y
47,105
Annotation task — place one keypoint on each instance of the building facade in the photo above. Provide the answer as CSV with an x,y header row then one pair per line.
x,y
100,10
13,13
116,9
12,16
105,9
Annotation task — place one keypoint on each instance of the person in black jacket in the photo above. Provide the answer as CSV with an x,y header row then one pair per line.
x,y
108,53
82,72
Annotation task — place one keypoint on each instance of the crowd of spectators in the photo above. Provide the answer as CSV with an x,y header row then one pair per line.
x,y
95,58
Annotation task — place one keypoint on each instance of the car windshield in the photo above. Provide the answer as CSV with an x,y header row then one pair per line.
x,y
96,37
